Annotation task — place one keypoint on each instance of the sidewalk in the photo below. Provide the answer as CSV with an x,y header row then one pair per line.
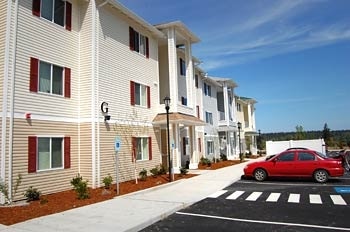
x,y
135,211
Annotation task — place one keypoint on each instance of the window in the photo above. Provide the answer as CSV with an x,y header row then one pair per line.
x,y
199,145
182,67
142,147
303,156
239,107
184,101
210,147
207,90
140,94
286,157
138,42
209,117
49,78
198,112
196,80
57,11
47,153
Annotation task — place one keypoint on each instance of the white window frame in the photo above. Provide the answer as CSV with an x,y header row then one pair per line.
x,y
140,43
207,90
182,67
209,117
141,98
50,158
239,107
53,11
210,147
52,66
144,154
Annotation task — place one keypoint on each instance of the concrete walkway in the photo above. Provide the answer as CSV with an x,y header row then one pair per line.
x,y
135,211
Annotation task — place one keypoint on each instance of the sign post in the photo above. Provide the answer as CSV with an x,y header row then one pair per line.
x,y
117,145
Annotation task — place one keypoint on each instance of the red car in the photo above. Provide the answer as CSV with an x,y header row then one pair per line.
x,y
296,162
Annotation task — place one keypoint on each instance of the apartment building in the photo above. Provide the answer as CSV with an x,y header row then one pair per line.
x,y
80,75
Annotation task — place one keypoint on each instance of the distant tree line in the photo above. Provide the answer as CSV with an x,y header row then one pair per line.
x,y
336,138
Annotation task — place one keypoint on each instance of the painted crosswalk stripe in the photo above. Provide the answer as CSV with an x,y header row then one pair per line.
x,y
315,199
294,198
235,195
337,200
273,197
217,194
254,196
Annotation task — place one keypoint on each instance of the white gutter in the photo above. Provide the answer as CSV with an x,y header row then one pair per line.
x,y
12,99
4,97
93,99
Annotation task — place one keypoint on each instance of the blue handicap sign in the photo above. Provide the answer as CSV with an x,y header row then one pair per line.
x,y
117,144
342,189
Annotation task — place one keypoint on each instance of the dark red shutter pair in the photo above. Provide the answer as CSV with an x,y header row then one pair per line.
x,y
132,41
134,148
32,153
132,94
36,11
34,77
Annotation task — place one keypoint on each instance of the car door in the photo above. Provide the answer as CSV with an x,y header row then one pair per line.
x,y
283,164
306,163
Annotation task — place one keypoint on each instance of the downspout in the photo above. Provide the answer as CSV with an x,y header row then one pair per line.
x,y
93,99
12,99
4,97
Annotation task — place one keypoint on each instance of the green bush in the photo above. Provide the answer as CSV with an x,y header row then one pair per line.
x,y
205,161
107,181
32,194
183,171
223,157
80,187
162,170
154,171
143,174
5,191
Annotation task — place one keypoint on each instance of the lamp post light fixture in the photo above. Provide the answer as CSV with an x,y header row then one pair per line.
x,y
239,125
167,107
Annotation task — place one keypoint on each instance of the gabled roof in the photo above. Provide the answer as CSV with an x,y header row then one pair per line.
x,y
132,16
246,99
180,27
228,81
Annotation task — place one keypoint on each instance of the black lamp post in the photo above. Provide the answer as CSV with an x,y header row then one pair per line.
x,y
167,107
239,125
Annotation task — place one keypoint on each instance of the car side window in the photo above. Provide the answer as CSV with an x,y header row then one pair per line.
x,y
304,156
286,157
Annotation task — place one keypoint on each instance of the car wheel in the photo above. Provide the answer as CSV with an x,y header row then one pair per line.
x,y
260,174
321,176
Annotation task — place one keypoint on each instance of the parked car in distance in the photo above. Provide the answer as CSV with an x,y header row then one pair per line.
x,y
296,162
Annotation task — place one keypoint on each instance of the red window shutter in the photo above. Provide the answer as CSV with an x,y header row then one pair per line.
x,y
199,145
36,8
147,48
34,71
150,148
131,39
132,93
67,82
32,150
148,97
68,16
66,152
133,153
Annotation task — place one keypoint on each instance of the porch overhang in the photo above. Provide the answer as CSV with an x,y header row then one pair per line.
x,y
178,118
226,128
250,133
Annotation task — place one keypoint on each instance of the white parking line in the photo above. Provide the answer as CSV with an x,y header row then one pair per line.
x,y
315,199
273,197
217,194
294,198
338,200
235,195
265,222
254,196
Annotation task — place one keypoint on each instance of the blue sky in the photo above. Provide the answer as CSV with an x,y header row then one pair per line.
x,y
292,56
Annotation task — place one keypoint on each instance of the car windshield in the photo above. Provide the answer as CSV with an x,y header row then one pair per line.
x,y
321,154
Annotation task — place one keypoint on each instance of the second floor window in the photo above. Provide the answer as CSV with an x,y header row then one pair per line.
x,y
239,107
209,117
207,90
140,94
182,67
196,80
138,42
56,11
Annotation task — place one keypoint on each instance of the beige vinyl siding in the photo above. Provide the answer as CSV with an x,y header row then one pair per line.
x,y
118,65
46,181
84,155
49,42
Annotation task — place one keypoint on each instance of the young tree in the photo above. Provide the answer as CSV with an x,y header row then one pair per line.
x,y
326,135
300,134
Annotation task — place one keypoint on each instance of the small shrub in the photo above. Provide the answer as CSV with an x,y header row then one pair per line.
x,y
32,194
223,157
205,161
5,191
107,181
154,171
80,187
143,174
162,170
183,171
216,160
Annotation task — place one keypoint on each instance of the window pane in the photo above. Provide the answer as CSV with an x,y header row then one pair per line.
x,y
43,153
44,77
145,149
57,80
137,41
137,94
57,153
59,12
46,9
142,44
138,149
143,95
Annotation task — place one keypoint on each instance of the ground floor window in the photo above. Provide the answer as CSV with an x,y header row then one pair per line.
x,y
210,147
50,153
142,148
